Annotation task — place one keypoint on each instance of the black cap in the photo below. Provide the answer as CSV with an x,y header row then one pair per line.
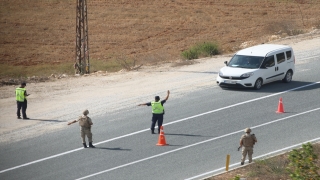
x,y
157,98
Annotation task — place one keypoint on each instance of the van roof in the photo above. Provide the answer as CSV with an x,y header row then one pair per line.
x,y
261,50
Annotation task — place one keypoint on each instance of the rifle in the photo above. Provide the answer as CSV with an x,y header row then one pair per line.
x,y
252,135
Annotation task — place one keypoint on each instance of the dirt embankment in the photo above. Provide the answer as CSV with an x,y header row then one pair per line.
x,y
36,32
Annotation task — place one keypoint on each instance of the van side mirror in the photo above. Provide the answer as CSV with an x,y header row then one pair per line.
x,y
226,63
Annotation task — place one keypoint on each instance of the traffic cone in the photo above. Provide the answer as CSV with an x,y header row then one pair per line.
x,y
280,107
162,139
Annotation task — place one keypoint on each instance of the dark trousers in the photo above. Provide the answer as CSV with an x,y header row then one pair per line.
x,y
22,106
156,118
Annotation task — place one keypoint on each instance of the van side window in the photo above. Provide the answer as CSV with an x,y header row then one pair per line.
x,y
269,61
280,58
288,53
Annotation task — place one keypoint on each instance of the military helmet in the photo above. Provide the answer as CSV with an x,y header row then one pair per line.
x,y
85,112
247,130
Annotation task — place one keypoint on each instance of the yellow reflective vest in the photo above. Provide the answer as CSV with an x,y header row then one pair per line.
x,y
20,94
157,107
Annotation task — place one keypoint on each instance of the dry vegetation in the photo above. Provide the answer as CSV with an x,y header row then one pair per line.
x,y
268,169
40,34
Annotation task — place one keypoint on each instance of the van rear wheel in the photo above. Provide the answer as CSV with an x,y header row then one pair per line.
x,y
258,84
288,77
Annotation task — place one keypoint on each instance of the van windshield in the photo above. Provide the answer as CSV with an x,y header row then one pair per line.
x,y
249,62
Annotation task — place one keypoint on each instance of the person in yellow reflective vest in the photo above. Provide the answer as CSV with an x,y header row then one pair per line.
x,y
21,97
157,111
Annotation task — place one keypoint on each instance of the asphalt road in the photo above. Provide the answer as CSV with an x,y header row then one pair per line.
x,y
201,128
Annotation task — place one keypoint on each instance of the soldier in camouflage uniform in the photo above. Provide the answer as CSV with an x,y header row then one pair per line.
x,y
85,128
246,142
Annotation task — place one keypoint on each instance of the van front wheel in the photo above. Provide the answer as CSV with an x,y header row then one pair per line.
x,y
288,77
258,84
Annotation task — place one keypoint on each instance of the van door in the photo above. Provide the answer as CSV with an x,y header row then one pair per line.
x,y
269,69
290,60
281,65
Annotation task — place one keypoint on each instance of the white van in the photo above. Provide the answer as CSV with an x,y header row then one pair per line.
x,y
254,66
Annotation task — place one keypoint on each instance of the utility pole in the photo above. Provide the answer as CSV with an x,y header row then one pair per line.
x,y
82,41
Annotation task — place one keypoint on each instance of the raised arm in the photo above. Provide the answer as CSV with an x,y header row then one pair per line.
x,y
168,92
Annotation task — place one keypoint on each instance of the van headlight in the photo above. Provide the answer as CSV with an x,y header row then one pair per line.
x,y
247,74
220,73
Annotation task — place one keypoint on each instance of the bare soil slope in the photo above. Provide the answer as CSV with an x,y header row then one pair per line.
x,y
43,31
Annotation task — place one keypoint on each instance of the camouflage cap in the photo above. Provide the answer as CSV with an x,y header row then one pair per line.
x,y
247,130
85,112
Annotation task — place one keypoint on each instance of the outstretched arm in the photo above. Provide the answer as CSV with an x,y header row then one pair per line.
x,y
72,122
168,92
144,104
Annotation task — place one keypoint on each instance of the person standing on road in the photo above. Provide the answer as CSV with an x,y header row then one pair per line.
x,y
21,98
157,111
85,123
246,142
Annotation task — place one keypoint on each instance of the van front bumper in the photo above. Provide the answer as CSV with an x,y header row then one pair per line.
x,y
244,83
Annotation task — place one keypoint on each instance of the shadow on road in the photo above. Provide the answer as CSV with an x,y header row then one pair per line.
x,y
46,120
279,86
114,149
172,145
184,135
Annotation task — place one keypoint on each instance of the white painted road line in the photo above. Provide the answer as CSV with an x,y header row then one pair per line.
x,y
195,144
173,122
258,157
241,103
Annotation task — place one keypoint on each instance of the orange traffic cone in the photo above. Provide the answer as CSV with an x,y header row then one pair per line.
x,y
162,139
280,107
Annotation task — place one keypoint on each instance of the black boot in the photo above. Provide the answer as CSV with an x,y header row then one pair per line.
x,y
84,145
90,145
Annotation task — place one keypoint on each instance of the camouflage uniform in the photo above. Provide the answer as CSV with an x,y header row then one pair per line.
x,y
85,123
247,141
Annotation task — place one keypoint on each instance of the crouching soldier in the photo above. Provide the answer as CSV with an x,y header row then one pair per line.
x,y
85,128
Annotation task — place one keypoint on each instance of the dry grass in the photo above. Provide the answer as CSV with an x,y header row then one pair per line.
x,y
35,32
268,169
